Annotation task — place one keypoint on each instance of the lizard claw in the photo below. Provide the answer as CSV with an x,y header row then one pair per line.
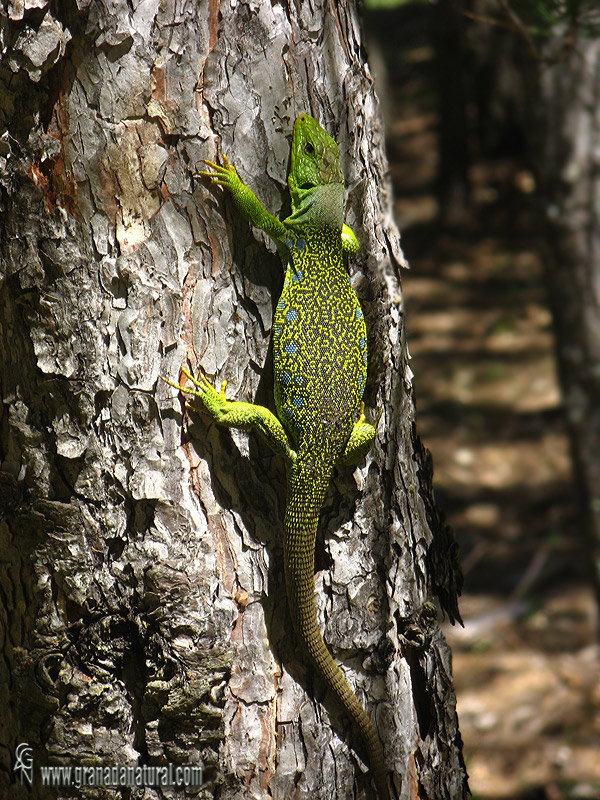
x,y
226,175
211,401
361,413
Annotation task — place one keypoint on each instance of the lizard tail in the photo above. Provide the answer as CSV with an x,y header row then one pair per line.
x,y
300,527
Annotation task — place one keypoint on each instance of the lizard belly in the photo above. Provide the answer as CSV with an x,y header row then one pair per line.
x,y
319,356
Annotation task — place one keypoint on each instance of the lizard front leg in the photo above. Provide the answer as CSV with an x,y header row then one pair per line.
x,y
235,414
245,199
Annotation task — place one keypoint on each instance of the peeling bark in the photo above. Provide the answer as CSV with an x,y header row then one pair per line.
x,y
143,607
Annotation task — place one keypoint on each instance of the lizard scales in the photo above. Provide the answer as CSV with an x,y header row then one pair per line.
x,y
320,368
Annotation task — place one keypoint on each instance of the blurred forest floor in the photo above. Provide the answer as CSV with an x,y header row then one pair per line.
x,y
489,409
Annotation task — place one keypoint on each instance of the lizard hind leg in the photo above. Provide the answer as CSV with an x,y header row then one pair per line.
x,y
360,440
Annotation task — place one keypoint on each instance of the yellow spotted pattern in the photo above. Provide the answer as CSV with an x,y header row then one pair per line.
x,y
319,347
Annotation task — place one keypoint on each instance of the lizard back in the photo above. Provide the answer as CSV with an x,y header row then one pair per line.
x,y
319,346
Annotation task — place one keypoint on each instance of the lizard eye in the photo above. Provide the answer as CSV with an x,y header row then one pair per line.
x,y
309,149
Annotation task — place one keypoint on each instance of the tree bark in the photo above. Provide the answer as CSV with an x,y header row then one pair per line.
x,y
143,606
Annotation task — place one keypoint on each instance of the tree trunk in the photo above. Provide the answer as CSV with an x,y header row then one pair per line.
x,y
544,93
567,140
452,179
143,606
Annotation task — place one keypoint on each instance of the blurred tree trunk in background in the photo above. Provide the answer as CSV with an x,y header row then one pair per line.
x,y
450,62
565,146
142,605
544,93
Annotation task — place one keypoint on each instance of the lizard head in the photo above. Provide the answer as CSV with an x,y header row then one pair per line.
x,y
315,158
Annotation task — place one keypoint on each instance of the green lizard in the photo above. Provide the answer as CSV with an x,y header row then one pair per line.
x,y
320,368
